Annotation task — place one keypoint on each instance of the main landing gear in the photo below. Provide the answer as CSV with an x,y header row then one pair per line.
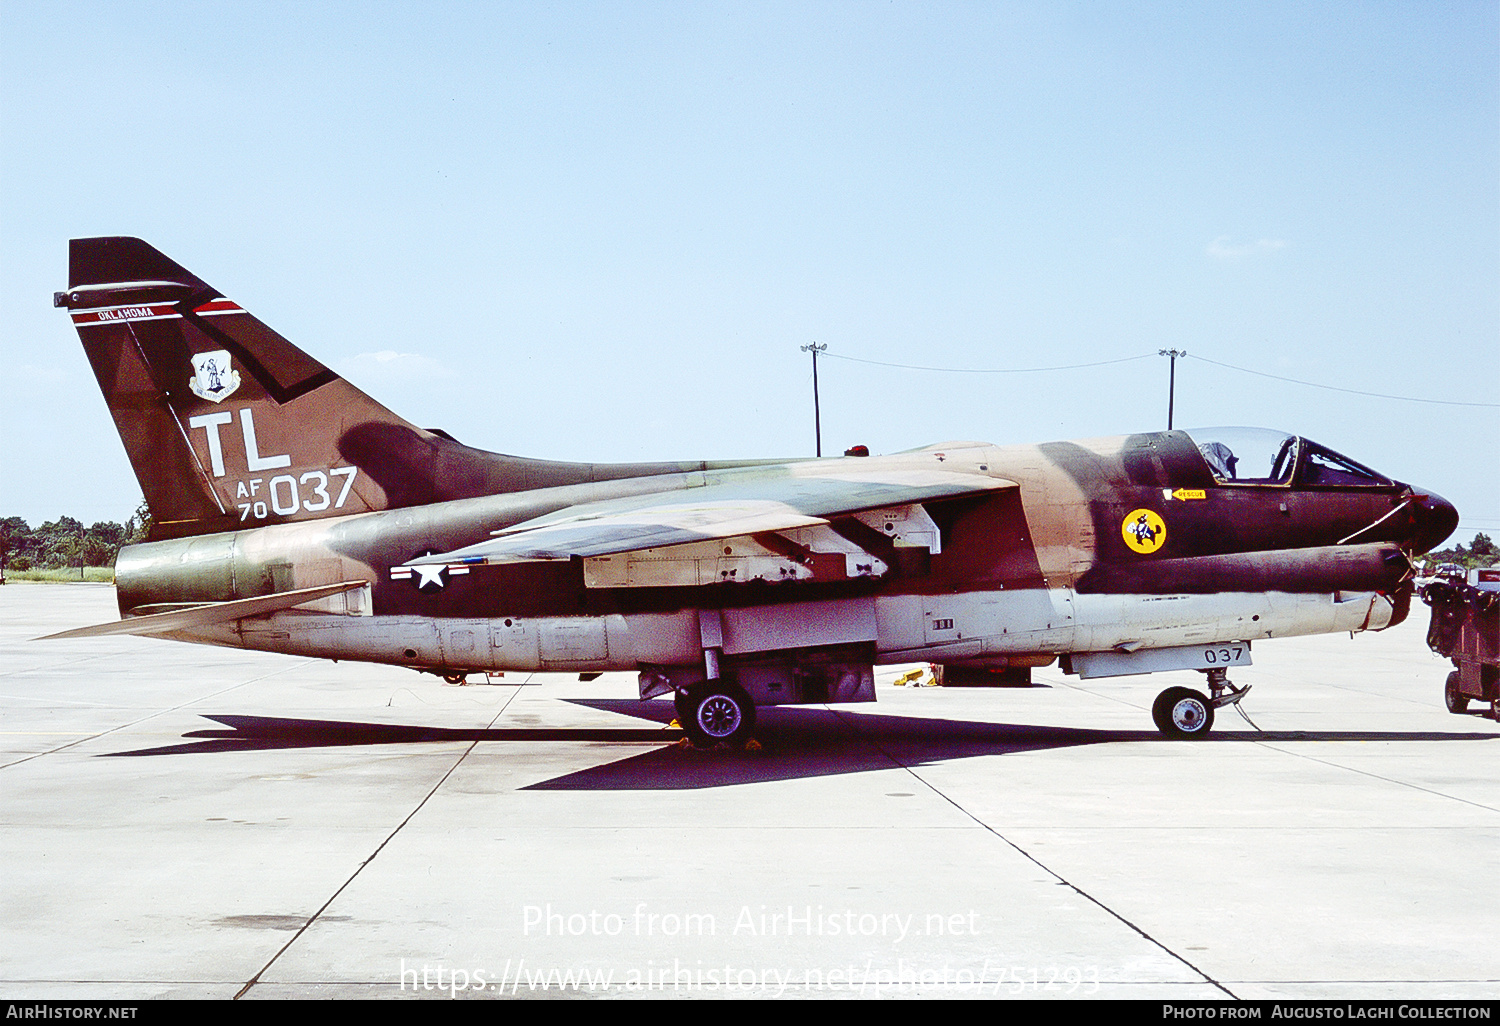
x,y
715,712
1185,713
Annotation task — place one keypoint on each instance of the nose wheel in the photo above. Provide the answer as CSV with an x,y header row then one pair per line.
x,y
1183,713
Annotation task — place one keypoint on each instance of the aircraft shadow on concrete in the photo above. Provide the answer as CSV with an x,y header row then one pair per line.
x,y
797,741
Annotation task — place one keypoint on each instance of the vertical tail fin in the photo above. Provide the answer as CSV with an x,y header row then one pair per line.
x,y
226,423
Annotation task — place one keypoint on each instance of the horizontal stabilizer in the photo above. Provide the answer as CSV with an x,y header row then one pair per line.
x,y
752,505
208,613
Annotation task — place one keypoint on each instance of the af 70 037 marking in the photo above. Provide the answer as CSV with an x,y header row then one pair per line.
x,y
726,584
314,481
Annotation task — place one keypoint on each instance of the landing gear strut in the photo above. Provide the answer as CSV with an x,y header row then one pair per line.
x,y
1226,693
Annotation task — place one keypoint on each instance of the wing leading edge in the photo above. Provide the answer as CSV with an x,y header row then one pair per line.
x,y
755,506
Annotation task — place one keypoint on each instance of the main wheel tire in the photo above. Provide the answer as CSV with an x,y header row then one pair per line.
x,y
720,713
1183,713
684,706
1159,713
1454,699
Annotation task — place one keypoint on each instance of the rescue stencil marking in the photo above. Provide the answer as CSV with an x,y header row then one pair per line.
x,y
1144,530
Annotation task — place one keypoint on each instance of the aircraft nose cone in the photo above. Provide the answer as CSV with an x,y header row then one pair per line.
x,y
1433,519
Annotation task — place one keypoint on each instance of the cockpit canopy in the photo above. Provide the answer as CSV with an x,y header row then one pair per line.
x,y
1258,456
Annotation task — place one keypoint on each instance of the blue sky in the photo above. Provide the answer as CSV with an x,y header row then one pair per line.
x,y
604,231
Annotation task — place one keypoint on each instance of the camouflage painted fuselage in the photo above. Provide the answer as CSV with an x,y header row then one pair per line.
x,y
1022,576
268,474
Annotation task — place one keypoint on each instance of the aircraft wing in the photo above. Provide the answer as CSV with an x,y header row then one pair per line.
x,y
755,504
207,613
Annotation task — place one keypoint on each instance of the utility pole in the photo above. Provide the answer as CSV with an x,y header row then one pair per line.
x,y
815,349
1171,379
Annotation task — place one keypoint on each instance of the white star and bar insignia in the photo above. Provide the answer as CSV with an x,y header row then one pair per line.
x,y
428,576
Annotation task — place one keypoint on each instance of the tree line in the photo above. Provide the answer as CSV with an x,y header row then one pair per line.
x,y
66,542
1482,552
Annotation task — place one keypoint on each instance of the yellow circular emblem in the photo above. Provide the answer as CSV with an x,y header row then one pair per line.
x,y
1144,530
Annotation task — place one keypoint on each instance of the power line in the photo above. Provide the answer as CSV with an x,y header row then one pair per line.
x,y
1351,391
975,370
1142,356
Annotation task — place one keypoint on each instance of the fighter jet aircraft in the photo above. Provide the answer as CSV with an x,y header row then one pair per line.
x,y
293,513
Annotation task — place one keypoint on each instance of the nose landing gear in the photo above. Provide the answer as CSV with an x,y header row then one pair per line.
x,y
1184,713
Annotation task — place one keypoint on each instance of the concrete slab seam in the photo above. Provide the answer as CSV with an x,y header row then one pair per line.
x,y
1041,865
1377,776
374,854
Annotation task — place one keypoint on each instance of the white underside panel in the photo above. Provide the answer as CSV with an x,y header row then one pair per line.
x,y
939,628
